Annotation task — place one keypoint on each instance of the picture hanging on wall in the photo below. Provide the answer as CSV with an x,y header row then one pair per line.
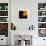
x,y
23,14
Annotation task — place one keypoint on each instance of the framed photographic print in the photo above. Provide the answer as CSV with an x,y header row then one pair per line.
x,y
23,14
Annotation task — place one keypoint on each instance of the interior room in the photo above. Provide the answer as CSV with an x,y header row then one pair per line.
x,y
22,22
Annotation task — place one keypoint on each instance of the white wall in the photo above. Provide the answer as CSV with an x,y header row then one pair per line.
x,y
23,24
32,5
